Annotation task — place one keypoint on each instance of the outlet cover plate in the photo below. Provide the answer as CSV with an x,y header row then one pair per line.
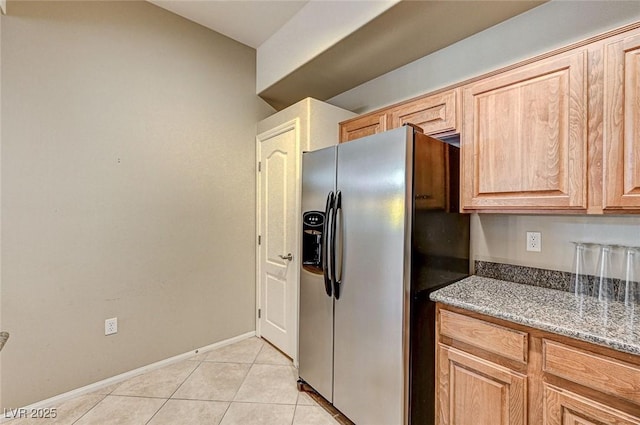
x,y
534,241
111,326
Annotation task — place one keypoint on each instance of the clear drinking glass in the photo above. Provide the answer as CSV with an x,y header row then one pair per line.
x,y
579,284
606,290
631,284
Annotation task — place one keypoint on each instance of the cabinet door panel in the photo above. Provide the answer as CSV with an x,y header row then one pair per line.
x,y
563,407
524,138
437,114
622,125
431,177
473,391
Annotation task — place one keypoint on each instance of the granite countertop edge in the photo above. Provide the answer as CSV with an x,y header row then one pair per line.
x,y
546,309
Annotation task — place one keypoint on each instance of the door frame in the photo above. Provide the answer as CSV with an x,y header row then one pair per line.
x,y
296,249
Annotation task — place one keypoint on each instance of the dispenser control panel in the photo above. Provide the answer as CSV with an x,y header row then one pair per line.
x,y
313,219
312,227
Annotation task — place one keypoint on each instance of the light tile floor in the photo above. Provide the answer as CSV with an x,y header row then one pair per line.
x,y
245,383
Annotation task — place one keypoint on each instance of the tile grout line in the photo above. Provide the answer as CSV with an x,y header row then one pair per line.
x,y
243,381
244,402
295,409
224,414
91,408
248,370
110,394
174,391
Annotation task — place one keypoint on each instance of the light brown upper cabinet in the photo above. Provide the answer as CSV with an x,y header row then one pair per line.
x,y
436,115
524,137
621,138
557,133
364,125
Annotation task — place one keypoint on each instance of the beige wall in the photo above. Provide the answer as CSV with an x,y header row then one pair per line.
x,y
128,177
1,328
502,238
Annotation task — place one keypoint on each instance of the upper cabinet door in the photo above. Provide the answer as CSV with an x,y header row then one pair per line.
x,y
436,115
362,126
621,153
524,138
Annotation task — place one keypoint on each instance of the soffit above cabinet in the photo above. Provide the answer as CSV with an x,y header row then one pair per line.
x,y
404,33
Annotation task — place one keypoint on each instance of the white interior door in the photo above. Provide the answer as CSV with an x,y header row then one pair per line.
x,y
278,261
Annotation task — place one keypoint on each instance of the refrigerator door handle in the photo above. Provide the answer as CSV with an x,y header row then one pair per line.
x,y
336,262
325,244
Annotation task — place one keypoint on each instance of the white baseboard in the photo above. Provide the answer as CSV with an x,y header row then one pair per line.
x,y
61,398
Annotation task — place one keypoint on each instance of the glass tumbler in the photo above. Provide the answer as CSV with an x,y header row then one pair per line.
x,y
579,284
606,290
631,276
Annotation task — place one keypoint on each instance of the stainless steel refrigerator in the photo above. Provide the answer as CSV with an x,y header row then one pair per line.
x,y
381,230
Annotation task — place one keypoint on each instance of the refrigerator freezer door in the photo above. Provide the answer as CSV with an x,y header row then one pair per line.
x,y
369,364
316,307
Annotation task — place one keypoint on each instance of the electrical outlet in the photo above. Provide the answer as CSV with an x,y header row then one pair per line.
x,y
534,241
111,326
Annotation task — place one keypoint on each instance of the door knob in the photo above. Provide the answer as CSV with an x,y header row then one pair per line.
x,y
289,257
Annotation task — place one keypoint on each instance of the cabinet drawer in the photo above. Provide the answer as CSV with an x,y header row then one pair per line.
x,y
591,370
490,337
365,125
435,114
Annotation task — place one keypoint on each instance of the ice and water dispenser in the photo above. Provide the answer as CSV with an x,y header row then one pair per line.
x,y
312,225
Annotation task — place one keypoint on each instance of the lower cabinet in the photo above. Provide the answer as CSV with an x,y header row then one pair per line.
x,y
476,391
494,372
566,408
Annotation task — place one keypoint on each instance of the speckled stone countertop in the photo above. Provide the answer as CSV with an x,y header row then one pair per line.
x,y
587,319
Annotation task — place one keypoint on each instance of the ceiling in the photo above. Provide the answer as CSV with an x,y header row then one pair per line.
x,y
250,22
407,31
